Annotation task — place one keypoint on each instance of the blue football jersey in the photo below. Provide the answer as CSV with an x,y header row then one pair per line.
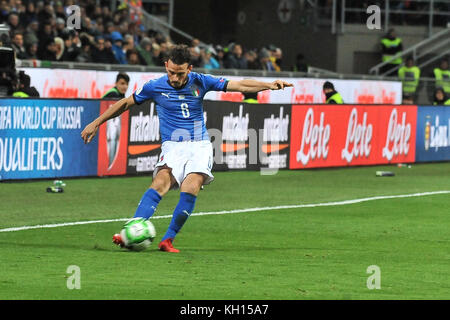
x,y
180,111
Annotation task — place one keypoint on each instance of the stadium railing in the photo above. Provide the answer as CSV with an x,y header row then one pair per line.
x,y
388,9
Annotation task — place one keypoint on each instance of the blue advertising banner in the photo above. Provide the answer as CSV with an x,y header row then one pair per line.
x,y
42,138
433,134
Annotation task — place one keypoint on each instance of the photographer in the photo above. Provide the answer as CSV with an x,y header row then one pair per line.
x,y
24,90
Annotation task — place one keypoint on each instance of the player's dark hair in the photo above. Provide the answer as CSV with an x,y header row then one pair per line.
x,y
328,85
179,54
123,76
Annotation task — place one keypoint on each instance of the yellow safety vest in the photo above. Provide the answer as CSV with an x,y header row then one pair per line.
x,y
20,94
336,97
113,89
410,78
250,100
442,79
446,103
390,44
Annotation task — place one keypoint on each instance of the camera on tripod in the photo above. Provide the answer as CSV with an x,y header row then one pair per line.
x,y
8,76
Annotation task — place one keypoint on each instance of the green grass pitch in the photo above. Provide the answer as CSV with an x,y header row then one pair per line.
x,y
289,254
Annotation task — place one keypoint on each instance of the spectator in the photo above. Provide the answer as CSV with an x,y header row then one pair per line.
x,y
46,14
133,57
407,99
59,42
85,53
120,87
30,13
47,50
59,10
440,98
71,51
97,13
31,33
101,53
88,27
331,95
110,28
157,55
220,56
60,25
300,65
195,43
442,76
106,13
128,43
13,22
165,46
17,45
235,60
409,74
4,11
252,60
264,59
196,59
209,62
391,45
117,42
145,51
45,34
275,55
21,10
32,49
99,27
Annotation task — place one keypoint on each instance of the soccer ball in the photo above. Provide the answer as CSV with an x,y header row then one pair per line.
x,y
138,234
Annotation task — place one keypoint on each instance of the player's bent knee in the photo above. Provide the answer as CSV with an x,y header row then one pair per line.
x,y
162,182
192,183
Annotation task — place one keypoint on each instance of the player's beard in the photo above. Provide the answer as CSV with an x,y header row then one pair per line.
x,y
178,84
175,84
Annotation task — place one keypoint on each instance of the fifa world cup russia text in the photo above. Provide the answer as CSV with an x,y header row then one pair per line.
x,y
35,151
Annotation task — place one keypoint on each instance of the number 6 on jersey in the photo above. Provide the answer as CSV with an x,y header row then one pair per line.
x,y
185,110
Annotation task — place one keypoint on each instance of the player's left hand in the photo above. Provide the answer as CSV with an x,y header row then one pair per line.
x,y
280,84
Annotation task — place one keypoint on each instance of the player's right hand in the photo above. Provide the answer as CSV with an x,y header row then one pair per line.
x,y
279,84
89,132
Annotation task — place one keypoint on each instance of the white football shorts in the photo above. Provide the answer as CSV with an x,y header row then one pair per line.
x,y
186,157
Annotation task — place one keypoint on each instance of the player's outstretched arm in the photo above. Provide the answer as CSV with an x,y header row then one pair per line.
x,y
250,85
115,110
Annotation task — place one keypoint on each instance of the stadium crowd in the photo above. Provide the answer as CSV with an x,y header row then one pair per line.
x,y
38,31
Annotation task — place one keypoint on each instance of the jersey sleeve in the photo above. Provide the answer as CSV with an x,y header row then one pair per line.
x,y
144,93
212,83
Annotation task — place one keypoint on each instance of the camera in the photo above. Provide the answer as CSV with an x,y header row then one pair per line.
x,y
8,76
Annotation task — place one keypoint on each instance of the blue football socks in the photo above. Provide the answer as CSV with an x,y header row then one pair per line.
x,y
148,204
181,213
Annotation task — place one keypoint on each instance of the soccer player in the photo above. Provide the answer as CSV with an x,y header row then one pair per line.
x,y
186,155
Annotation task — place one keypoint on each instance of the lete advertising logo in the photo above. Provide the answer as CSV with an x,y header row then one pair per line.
x,y
347,135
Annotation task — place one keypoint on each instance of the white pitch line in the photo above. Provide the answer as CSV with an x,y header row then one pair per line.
x,y
295,206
